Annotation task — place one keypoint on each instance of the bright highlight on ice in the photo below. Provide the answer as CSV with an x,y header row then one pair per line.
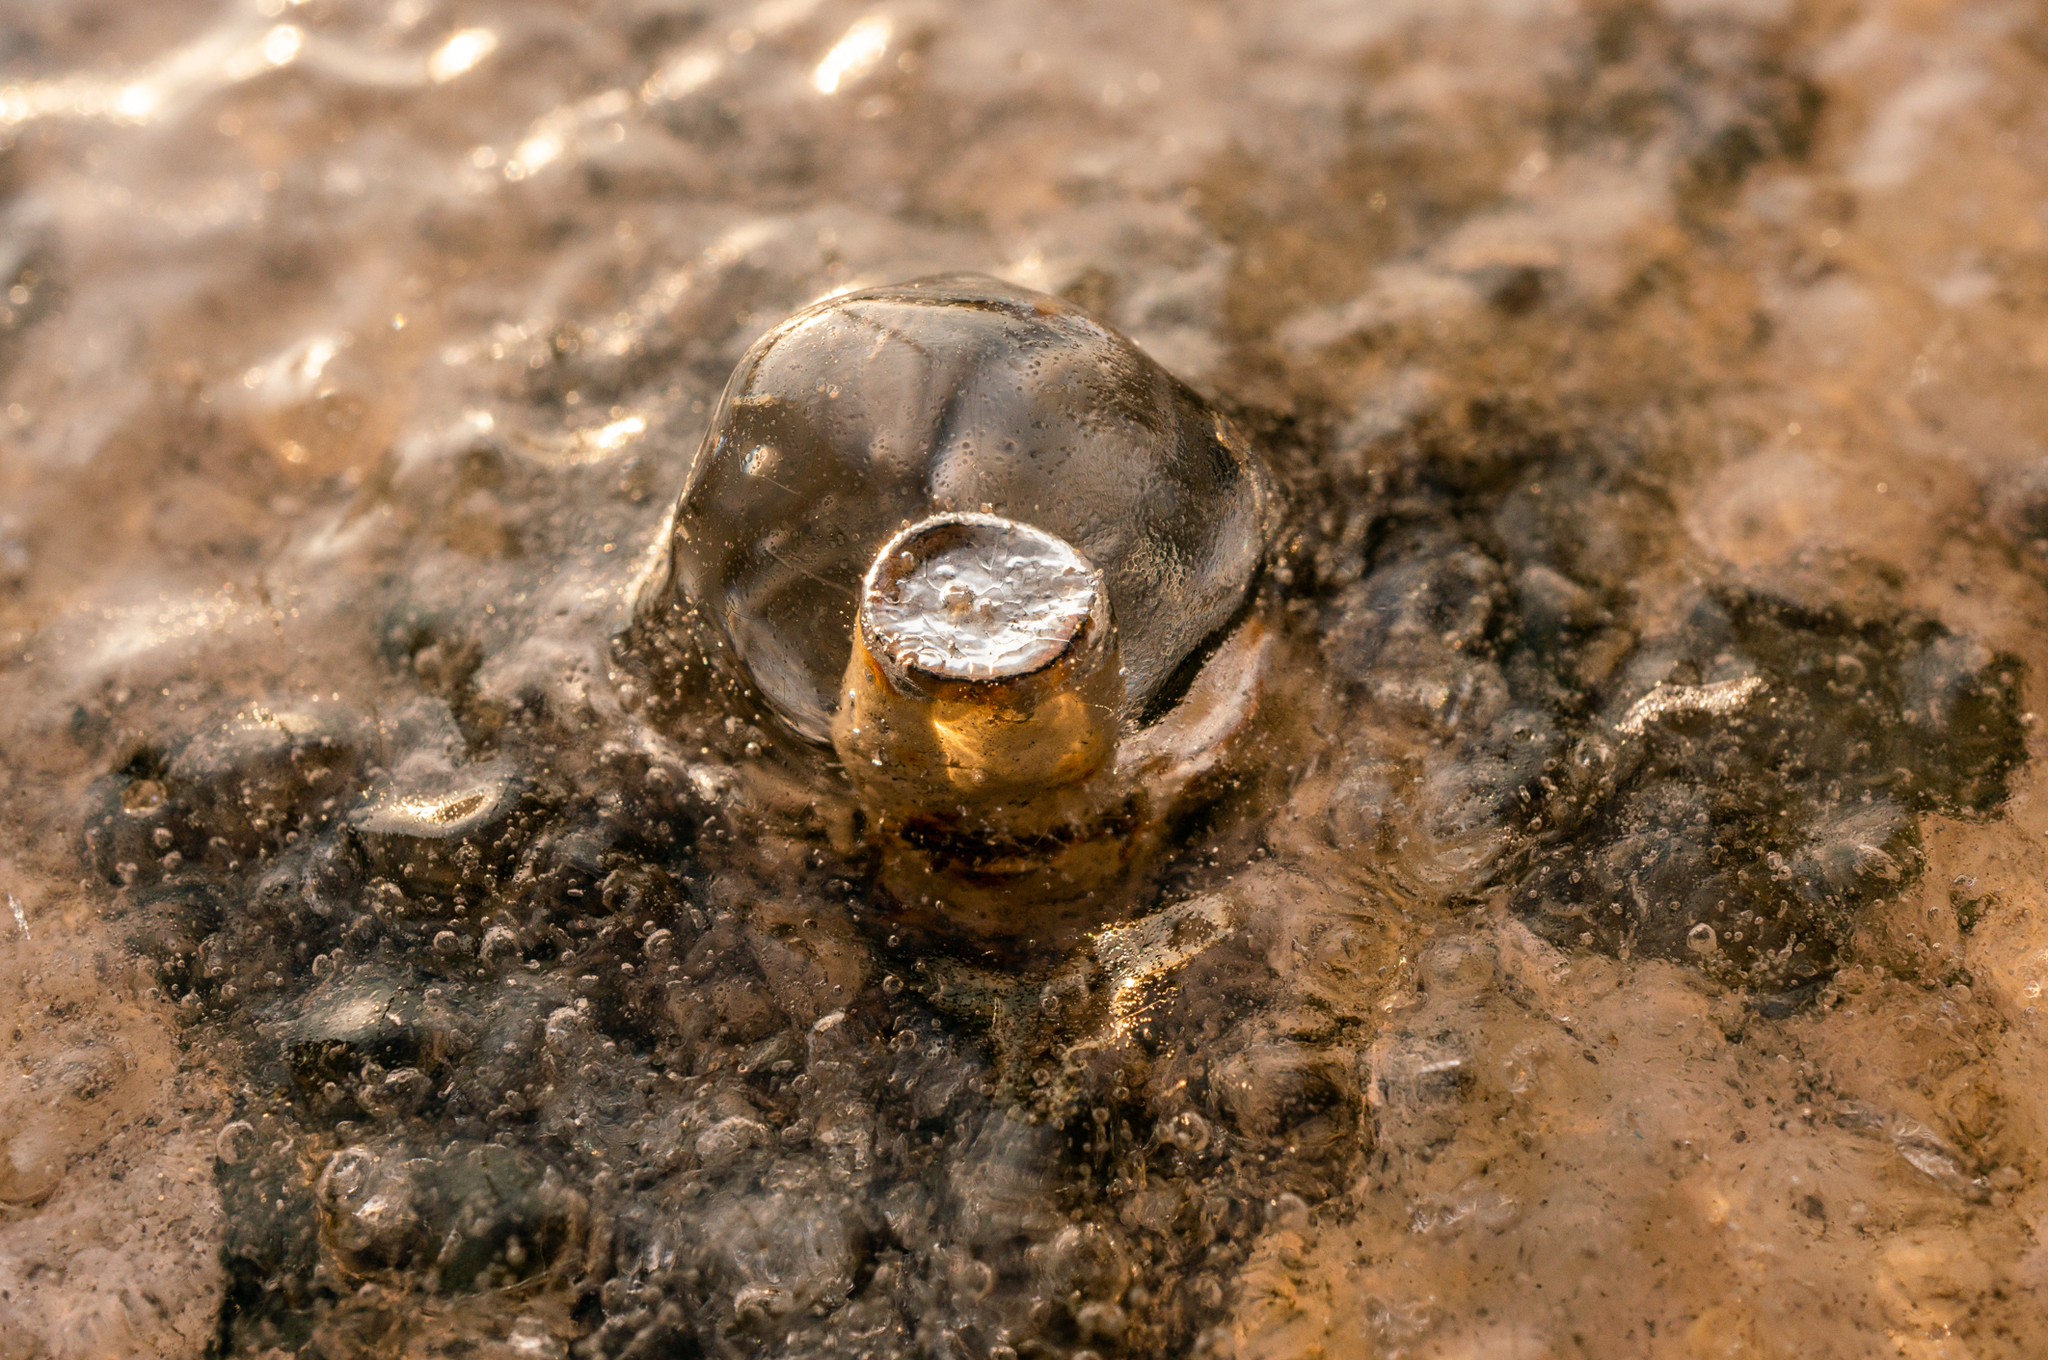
x,y
460,53
854,55
282,44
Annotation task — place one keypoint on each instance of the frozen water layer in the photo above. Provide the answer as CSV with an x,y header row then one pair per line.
x,y
343,407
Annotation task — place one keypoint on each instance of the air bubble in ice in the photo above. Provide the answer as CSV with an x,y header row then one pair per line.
x,y
236,1143
1189,1132
499,945
724,1141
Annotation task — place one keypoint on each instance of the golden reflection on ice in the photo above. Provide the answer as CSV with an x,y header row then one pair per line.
x,y
854,55
75,96
237,52
579,448
1143,952
280,45
461,52
685,74
441,811
293,374
609,439
1723,696
535,152
562,129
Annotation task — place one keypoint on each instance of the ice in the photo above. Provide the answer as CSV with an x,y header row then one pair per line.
x,y
485,1217
436,830
1617,928
973,395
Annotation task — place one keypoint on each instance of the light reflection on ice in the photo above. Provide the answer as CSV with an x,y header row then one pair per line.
x,y
596,445
238,51
460,53
135,630
854,55
684,74
562,129
1720,697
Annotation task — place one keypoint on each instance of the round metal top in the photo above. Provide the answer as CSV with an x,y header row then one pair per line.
x,y
978,598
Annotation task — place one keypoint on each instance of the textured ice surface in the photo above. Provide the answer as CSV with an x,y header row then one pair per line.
x,y
1630,943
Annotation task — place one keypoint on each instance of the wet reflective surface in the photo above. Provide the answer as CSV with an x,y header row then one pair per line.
x,y
1616,929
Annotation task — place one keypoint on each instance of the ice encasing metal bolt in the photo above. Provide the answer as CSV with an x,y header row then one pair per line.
x,y
983,671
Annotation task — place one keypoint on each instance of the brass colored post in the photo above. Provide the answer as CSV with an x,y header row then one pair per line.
x,y
980,701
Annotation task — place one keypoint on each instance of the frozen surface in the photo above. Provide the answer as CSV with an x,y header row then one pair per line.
x,y
1627,941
